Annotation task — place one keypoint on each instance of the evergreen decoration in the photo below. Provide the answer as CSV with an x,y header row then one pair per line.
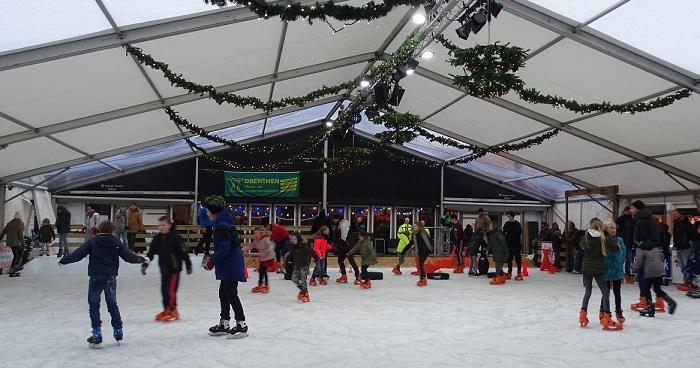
x,y
292,11
211,92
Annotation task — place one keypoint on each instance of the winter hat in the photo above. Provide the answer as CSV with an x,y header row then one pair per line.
x,y
638,204
215,203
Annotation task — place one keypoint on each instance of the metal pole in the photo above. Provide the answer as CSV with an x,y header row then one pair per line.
x,y
3,194
324,204
196,190
442,190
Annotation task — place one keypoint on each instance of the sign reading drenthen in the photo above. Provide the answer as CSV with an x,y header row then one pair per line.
x,y
262,184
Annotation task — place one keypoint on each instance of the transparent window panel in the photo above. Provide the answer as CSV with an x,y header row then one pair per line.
x,y
578,10
78,173
150,154
297,118
501,168
285,215
308,214
259,214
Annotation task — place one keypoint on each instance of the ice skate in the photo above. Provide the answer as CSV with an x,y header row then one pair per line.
x,y
313,282
671,304
159,316
609,324
323,281
257,289
265,289
358,281
509,276
620,318
659,305
639,306
472,274
498,280
343,279
397,271
583,318
649,311
95,341
366,284
519,277
171,315
221,329
422,282
239,331
118,334
684,287
14,274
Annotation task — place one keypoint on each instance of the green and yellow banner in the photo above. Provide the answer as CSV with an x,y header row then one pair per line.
x,y
262,184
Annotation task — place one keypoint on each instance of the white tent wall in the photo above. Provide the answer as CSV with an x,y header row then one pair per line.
x,y
20,206
581,212
44,206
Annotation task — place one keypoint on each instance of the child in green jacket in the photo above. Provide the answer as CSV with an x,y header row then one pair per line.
x,y
369,256
497,247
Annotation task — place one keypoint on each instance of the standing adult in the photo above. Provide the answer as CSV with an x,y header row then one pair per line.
x,y
514,233
341,229
403,234
557,245
229,266
320,221
134,224
625,229
92,220
423,248
120,222
206,226
14,230
683,238
358,225
647,235
62,228
279,235
457,240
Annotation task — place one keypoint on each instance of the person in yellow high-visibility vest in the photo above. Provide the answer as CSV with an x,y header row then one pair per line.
x,y
404,235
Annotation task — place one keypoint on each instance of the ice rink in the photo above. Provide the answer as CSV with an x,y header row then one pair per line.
x,y
456,323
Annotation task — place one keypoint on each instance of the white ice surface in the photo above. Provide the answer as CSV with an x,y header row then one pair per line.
x,y
457,323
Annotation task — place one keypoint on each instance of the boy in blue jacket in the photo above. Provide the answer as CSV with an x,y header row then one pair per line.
x,y
104,250
230,269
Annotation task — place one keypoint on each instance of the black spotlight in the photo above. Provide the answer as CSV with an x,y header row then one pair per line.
x,y
411,65
495,8
372,112
463,31
381,93
396,95
405,69
354,118
477,20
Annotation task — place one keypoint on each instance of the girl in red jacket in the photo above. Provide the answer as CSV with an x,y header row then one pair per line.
x,y
266,258
321,248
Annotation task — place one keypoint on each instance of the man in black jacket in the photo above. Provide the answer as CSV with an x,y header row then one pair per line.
x,y
625,229
514,233
62,228
104,250
683,238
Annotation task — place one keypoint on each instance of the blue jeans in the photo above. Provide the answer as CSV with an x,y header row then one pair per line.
x,y
63,243
320,268
108,284
683,258
121,236
630,260
578,260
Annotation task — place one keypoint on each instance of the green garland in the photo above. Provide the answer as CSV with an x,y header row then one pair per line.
x,y
293,11
210,91
533,96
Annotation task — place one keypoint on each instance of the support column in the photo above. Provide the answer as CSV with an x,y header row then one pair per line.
x,y
195,210
442,191
3,195
324,203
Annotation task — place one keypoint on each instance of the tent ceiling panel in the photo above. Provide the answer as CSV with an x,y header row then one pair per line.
x,y
297,118
120,132
8,127
644,23
484,122
207,112
548,186
689,162
126,12
634,177
574,71
28,24
502,168
424,96
567,152
33,153
671,129
302,85
578,10
65,89
216,56
312,44
506,28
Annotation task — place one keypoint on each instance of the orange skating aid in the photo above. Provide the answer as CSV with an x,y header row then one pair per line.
x,y
523,265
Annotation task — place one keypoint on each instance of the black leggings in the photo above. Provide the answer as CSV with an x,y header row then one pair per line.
x,y
615,285
365,272
342,255
422,257
654,282
262,272
514,253
168,287
17,261
228,297
588,283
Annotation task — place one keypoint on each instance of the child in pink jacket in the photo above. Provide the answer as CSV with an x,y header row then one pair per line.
x,y
266,258
321,248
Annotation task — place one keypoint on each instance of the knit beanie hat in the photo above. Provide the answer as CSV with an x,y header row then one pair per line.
x,y
215,203
638,204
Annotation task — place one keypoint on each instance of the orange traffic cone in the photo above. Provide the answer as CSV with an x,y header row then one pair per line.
x,y
546,264
523,265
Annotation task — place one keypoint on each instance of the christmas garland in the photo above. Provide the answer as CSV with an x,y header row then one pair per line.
x,y
489,71
210,91
293,11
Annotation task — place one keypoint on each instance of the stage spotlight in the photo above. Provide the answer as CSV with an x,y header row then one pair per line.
x,y
418,18
495,8
329,124
427,54
477,20
411,65
396,95
464,30
364,83
381,93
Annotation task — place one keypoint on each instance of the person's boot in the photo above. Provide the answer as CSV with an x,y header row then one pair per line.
x,y
265,289
671,304
159,316
300,297
118,334
583,318
519,277
257,289
366,284
600,316
95,340
509,276
683,287
173,315
312,282
343,279
305,297
422,282
620,317
659,305
358,280
639,306
397,271
609,324
323,281
649,311
239,331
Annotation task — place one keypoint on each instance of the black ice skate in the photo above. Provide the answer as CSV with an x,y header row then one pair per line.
x,y
649,311
221,329
119,335
239,331
95,341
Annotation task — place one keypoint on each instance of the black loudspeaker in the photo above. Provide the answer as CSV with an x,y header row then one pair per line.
x,y
380,245
439,276
376,275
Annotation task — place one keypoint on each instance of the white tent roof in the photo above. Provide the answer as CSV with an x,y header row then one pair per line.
x,y
75,108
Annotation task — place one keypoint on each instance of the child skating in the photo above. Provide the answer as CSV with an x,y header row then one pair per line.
x,y
423,247
229,266
46,237
365,248
301,255
651,259
170,248
497,248
104,250
266,258
321,248
615,269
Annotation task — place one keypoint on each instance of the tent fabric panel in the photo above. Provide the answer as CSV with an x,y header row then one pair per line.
x,y
33,23
634,177
88,170
302,85
689,162
127,12
216,56
120,132
484,122
671,129
143,156
316,43
207,112
423,96
7,127
33,153
643,24
297,118
66,89
576,10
